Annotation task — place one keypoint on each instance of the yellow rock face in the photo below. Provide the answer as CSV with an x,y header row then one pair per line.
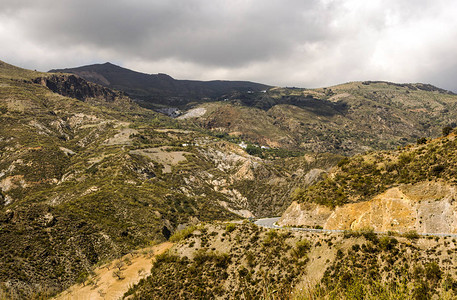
x,y
305,214
391,210
427,207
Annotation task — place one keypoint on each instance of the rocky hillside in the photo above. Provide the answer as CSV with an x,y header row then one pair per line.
x,y
412,188
157,90
228,261
86,175
347,119
78,88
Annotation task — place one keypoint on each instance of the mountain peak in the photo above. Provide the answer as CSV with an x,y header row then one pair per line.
x,y
161,89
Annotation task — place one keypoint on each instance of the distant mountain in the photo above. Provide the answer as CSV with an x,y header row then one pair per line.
x,y
346,119
155,90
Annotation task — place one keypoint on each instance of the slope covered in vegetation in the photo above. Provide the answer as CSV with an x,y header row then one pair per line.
x,y
229,261
347,119
84,180
363,176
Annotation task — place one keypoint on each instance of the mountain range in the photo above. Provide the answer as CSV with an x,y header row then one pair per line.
x,y
88,176
344,119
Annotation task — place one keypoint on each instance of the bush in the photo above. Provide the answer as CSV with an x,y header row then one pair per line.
x,y
343,162
433,272
82,277
447,130
369,234
301,248
412,235
270,237
230,227
182,234
253,150
387,243
421,141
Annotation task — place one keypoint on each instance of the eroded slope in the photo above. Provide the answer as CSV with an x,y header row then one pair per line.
x,y
409,189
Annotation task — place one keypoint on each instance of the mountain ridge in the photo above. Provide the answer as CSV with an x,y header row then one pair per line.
x,y
159,89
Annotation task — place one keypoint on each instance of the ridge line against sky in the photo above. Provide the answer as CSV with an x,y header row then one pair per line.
x,y
311,43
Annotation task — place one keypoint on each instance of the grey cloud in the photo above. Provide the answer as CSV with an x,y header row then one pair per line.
x,y
289,42
217,33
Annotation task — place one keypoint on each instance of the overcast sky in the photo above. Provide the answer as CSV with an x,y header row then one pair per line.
x,y
304,43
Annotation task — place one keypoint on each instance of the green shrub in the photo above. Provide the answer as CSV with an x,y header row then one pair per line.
x,y
230,227
412,235
369,234
182,234
446,130
421,141
433,272
387,243
301,248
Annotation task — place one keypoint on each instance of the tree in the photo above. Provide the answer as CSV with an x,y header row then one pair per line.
x,y
447,130
421,140
118,274
119,265
253,150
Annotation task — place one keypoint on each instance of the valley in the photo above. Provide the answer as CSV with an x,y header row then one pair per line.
x,y
91,176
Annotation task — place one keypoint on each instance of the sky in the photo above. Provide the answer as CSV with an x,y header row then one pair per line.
x,y
302,43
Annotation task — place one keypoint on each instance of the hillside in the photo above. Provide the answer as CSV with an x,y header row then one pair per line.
x,y
86,175
412,188
228,261
346,119
157,90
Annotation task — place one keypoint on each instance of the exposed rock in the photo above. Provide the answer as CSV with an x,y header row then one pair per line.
x,y
241,212
122,138
76,87
67,151
48,220
12,182
193,113
313,175
427,207
245,171
161,155
305,214
170,111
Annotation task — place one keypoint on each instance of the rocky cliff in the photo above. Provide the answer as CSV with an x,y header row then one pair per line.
x,y
426,207
75,87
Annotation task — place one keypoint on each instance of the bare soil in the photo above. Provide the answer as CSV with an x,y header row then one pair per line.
x,y
105,285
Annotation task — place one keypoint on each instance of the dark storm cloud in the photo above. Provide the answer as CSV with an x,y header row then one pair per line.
x,y
303,43
209,32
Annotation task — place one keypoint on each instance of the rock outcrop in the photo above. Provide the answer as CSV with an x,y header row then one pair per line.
x,y
75,87
427,207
